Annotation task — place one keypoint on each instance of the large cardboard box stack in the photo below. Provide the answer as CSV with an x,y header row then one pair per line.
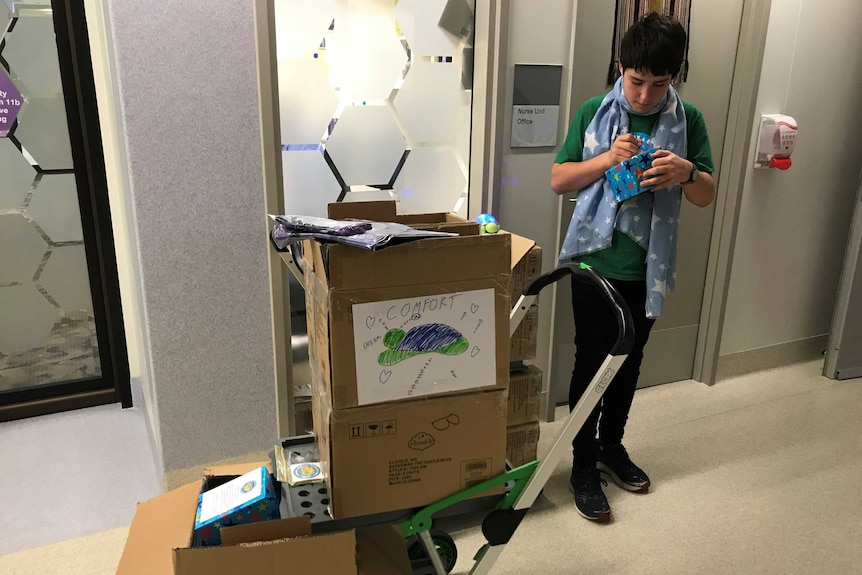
x,y
526,266
525,382
160,539
522,415
409,358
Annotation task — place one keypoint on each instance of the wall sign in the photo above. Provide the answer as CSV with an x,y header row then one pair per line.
x,y
536,105
10,103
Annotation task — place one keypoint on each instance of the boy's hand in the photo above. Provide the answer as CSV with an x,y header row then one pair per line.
x,y
623,148
667,169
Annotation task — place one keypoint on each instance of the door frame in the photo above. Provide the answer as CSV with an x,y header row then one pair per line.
x,y
729,186
114,385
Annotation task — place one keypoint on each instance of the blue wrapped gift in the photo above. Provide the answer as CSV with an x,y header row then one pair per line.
x,y
625,177
248,498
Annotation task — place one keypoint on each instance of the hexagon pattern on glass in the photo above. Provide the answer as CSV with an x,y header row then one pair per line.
x,y
309,184
65,278
18,265
366,145
306,99
418,21
369,68
431,178
431,103
300,25
26,318
44,133
54,206
31,51
18,176
365,55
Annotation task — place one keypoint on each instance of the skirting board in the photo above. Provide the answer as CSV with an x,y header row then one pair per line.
x,y
745,362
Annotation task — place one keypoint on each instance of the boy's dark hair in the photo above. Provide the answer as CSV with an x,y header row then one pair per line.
x,y
654,44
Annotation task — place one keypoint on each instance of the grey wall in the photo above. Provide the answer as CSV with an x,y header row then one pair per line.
x,y
540,32
186,77
793,225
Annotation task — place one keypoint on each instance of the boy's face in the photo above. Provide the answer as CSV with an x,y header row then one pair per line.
x,y
643,90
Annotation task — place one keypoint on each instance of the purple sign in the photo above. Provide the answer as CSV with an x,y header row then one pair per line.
x,y
10,103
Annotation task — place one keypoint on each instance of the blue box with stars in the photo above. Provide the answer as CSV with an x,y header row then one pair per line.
x,y
248,498
625,178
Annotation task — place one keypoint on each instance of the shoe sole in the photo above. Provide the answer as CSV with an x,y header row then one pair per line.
x,y
643,488
601,518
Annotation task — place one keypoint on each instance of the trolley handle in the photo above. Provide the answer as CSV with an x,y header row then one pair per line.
x,y
585,274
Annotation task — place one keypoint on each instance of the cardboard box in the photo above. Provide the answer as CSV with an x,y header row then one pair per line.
x,y
160,537
524,341
424,318
522,443
525,391
525,268
407,454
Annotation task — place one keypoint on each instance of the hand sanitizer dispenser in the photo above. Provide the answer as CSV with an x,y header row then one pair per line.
x,y
776,141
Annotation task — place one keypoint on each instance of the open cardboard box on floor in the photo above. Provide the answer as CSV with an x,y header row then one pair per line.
x,y
161,533
445,299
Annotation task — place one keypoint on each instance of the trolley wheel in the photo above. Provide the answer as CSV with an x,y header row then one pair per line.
x,y
445,548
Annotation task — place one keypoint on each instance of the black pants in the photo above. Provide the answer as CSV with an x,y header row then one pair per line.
x,y
595,334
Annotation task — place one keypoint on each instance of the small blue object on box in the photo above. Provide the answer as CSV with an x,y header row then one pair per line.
x,y
248,498
488,224
625,177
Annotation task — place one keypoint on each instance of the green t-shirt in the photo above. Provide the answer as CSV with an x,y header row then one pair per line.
x,y
625,259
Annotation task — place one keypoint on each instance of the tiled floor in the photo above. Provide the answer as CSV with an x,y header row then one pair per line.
x,y
71,474
757,474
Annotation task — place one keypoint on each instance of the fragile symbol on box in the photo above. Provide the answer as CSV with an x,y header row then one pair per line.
x,y
372,429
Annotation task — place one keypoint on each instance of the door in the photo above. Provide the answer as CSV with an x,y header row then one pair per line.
x,y
61,334
844,354
714,32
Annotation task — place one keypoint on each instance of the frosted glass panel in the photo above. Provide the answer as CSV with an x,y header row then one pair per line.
x,y
366,56
431,103
21,250
384,77
307,111
308,183
370,195
47,327
300,26
418,20
44,132
31,52
26,318
431,178
17,175
54,208
65,278
366,145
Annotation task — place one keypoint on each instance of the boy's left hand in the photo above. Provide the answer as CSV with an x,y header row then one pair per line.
x,y
667,169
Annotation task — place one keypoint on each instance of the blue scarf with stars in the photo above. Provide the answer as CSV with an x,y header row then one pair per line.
x,y
651,218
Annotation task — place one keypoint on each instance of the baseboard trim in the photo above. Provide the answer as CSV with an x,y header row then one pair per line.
x,y
745,362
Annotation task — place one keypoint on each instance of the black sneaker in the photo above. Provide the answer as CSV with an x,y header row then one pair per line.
x,y
615,462
590,500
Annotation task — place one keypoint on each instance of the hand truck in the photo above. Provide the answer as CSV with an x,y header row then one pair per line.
x,y
527,481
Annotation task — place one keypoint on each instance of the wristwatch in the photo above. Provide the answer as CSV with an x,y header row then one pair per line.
x,y
692,177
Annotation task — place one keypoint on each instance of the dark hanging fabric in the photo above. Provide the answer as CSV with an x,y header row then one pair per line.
x,y
628,12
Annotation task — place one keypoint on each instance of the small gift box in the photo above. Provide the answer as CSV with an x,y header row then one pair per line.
x,y
248,498
625,177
